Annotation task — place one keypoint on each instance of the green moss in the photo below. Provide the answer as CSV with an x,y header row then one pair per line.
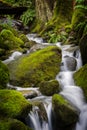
x,y
4,75
49,87
23,38
36,67
8,41
59,99
12,124
28,44
13,104
8,26
80,78
65,113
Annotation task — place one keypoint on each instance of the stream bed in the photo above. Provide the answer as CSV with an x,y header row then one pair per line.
x,y
71,62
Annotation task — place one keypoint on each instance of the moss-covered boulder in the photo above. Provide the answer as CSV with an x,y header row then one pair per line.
x,y
65,113
4,75
83,48
49,87
13,104
9,41
80,78
31,69
12,124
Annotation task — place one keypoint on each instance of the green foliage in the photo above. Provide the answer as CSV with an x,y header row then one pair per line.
x,y
54,37
78,16
13,104
79,1
20,2
36,67
28,16
4,75
81,6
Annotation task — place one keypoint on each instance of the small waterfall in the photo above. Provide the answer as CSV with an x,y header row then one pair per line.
x,y
38,122
73,93
49,114
82,123
14,55
33,37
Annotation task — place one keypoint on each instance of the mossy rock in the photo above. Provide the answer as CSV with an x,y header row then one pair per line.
x,y
9,41
65,113
4,75
12,124
80,78
27,44
49,87
13,104
31,69
24,38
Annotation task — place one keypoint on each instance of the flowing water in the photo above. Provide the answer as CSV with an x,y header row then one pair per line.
x,y
71,62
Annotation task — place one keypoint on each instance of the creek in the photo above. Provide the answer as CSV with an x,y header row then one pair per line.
x,y
71,62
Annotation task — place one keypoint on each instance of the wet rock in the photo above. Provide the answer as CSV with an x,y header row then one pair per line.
x,y
37,47
65,114
40,109
70,63
29,94
49,87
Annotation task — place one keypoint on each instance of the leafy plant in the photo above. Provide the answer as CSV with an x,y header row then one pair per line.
x,y
28,16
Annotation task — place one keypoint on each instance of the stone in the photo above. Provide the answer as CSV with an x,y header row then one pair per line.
x,y
13,105
31,69
65,114
49,88
80,78
70,63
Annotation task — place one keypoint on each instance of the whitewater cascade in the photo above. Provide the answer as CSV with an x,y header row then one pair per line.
x,y
71,92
